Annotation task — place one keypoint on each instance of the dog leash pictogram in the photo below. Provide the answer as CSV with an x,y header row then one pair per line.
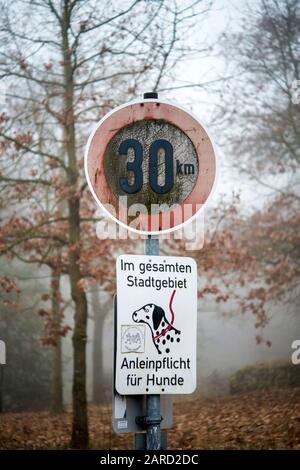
x,y
163,332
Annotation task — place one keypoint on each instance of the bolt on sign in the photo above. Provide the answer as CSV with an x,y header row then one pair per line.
x,y
156,325
150,165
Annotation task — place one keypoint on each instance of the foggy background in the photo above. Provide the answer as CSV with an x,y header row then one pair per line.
x,y
215,72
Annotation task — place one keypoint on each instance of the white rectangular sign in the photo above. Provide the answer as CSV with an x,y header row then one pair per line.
x,y
156,325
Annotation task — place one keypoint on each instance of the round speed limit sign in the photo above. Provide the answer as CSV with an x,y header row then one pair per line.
x,y
150,165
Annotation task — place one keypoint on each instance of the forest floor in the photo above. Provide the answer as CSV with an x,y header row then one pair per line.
x,y
256,420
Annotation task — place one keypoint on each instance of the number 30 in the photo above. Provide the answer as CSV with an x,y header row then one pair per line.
x,y
136,166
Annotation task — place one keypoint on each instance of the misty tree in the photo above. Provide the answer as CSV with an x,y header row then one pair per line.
x,y
65,64
262,101
26,374
262,137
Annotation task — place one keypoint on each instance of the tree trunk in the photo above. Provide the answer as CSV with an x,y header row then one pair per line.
x,y
80,435
80,418
98,373
57,382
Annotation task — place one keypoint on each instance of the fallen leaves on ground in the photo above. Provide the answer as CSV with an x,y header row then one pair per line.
x,y
257,420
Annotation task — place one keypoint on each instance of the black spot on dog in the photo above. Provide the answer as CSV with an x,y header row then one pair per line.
x,y
158,314
167,350
178,339
163,323
168,336
164,341
172,339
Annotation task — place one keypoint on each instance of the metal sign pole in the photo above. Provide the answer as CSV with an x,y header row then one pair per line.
x,y
153,418
148,126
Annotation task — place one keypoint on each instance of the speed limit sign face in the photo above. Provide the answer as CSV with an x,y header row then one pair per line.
x,y
150,165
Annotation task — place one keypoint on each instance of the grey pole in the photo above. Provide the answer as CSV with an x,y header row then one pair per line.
x,y
153,418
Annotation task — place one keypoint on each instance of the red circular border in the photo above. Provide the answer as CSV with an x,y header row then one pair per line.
x,y
153,110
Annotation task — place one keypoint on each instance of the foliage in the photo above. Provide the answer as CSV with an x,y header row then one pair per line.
x,y
257,250
257,420
65,64
265,376
26,376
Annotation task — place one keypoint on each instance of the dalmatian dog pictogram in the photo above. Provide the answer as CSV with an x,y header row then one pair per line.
x,y
164,334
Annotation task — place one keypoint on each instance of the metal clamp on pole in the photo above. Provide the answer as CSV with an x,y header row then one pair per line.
x,y
144,421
